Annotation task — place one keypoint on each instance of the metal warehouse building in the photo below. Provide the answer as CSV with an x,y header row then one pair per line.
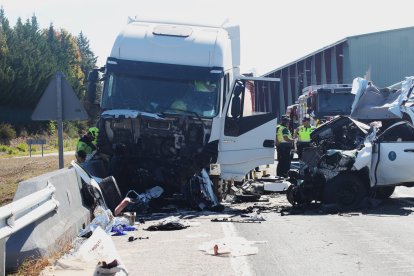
x,y
383,57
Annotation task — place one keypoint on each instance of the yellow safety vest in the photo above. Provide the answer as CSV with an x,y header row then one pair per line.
x,y
304,133
279,134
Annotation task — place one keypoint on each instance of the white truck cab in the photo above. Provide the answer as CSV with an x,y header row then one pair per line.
x,y
174,103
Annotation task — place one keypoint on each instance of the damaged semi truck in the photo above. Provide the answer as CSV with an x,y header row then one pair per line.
x,y
176,113
350,160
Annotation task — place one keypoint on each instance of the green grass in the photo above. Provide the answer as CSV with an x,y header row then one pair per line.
x,y
22,149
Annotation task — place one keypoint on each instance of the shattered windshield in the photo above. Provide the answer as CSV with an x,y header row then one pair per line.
x,y
331,104
157,95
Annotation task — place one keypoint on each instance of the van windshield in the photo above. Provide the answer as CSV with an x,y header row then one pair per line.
x,y
157,95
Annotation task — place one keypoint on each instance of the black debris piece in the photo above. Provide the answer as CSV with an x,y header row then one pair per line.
x,y
170,226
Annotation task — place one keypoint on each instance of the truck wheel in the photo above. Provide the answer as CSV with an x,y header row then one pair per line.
x,y
345,189
384,192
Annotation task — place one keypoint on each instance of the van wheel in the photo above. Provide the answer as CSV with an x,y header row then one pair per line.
x,y
345,189
384,192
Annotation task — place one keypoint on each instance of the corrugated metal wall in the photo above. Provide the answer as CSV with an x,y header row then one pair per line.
x,y
384,57
387,57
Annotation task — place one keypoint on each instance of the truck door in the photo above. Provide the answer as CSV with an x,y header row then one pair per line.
x,y
248,133
395,150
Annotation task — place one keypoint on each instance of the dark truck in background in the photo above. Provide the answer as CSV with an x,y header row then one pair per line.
x,y
323,102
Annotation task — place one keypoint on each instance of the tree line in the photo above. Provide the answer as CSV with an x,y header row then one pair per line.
x,y
30,56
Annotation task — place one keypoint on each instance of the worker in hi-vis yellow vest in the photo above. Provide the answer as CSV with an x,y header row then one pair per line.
x,y
302,134
284,143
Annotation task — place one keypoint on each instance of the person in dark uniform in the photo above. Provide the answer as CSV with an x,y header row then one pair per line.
x,y
283,147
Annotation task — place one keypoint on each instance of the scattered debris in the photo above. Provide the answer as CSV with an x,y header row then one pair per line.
x,y
130,216
236,220
263,209
99,246
230,247
168,224
138,201
106,221
274,184
255,217
215,248
132,238
119,229
111,268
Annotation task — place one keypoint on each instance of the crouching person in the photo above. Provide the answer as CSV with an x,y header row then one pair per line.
x,y
86,144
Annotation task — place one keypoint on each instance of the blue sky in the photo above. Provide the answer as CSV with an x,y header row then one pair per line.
x,y
273,32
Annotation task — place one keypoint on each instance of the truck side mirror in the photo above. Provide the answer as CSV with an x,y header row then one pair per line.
x,y
91,92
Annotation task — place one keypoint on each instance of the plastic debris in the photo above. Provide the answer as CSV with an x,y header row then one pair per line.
x,y
105,220
119,230
276,186
137,200
231,247
98,247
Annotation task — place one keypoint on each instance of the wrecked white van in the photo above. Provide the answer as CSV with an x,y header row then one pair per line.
x,y
350,160
388,105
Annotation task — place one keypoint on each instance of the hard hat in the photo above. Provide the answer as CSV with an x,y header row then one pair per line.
x,y
94,131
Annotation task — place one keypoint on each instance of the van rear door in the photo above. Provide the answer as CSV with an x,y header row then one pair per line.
x,y
247,137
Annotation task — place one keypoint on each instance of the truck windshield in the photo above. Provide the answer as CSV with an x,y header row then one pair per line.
x,y
157,95
332,104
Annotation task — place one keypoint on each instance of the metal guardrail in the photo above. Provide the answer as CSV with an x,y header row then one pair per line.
x,y
21,213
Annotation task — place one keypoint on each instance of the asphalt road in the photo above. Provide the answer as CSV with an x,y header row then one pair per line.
x,y
373,241
376,241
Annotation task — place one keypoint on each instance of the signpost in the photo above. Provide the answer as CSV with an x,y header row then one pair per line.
x,y
31,142
59,102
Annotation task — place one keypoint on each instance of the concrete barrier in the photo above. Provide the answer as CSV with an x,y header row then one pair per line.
x,y
46,235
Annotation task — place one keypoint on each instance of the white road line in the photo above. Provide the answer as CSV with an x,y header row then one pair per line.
x,y
240,265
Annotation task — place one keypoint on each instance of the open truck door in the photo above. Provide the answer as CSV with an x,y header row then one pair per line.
x,y
248,129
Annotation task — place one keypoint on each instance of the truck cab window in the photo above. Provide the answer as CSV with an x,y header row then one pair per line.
x,y
242,113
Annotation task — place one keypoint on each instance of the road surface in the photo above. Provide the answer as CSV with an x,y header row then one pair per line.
x,y
373,241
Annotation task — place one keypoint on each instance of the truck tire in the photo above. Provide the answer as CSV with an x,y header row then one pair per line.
x,y
384,192
346,189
